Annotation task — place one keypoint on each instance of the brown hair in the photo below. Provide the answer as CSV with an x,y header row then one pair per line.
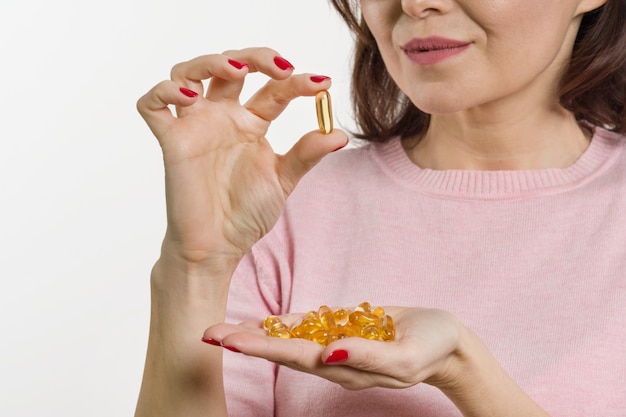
x,y
593,86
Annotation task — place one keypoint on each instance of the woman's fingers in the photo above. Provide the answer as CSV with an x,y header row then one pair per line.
x,y
227,71
295,353
305,154
153,106
265,60
305,356
270,101
226,75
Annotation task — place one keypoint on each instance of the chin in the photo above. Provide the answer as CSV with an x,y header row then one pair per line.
x,y
436,103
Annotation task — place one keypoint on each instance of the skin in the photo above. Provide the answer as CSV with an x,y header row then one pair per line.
x,y
225,188
493,106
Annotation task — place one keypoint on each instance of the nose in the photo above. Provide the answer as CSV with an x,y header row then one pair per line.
x,y
424,8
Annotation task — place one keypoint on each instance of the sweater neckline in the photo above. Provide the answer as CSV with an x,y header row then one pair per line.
x,y
603,149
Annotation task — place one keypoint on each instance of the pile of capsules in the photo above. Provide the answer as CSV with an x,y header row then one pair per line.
x,y
326,326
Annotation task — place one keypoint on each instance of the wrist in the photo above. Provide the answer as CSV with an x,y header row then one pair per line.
x,y
208,280
452,370
478,385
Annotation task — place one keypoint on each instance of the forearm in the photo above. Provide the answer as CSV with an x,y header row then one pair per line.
x,y
182,377
480,387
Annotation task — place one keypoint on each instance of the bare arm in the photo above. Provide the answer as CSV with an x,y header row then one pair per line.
x,y
225,188
181,376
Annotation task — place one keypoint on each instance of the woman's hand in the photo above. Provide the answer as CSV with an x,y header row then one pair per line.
x,y
425,350
431,346
225,187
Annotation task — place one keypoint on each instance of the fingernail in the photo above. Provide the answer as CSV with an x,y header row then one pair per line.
x,y
188,92
282,63
237,64
232,349
337,356
319,78
211,341
343,146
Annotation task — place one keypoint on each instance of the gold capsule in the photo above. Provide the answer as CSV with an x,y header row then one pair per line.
x,y
305,327
270,321
282,333
279,329
379,311
371,332
349,330
341,316
327,318
324,111
320,336
361,318
325,326
388,328
311,315
364,307
336,336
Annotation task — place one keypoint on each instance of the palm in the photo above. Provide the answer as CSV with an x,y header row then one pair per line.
x,y
222,176
425,340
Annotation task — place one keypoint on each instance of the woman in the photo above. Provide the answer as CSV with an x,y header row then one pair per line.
x,y
489,201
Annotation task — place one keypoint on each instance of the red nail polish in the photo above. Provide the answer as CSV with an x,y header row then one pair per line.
x,y
188,92
237,64
282,63
342,146
337,356
232,349
211,341
319,78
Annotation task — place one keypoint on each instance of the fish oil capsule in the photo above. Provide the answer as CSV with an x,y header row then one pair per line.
x,y
325,326
297,332
279,329
364,307
311,315
324,111
379,311
327,318
388,329
371,332
270,321
336,336
350,330
341,316
320,336
363,319
306,327
282,334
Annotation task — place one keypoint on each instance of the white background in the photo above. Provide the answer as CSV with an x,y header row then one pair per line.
x,y
81,187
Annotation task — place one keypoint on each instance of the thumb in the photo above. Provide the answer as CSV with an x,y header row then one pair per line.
x,y
306,153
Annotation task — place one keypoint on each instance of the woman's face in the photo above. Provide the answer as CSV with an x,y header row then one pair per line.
x,y
453,55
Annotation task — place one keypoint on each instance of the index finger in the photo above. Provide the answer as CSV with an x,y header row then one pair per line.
x,y
192,73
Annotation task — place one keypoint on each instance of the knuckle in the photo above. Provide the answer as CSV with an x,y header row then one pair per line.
x,y
176,70
281,98
369,361
140,105
352,385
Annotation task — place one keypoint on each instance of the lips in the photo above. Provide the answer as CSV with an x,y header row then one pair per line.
x,y
434,49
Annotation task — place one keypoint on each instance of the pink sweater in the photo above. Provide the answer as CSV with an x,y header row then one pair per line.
x,y
534,262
